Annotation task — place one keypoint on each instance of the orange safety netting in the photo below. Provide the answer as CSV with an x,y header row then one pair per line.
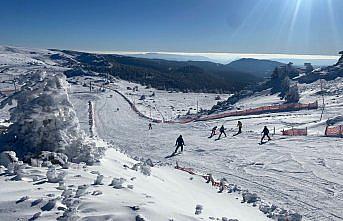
x,y
336,131
295,132
260,110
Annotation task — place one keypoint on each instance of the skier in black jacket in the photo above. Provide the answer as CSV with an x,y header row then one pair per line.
x,y
222,131
265,133
179,143
213,132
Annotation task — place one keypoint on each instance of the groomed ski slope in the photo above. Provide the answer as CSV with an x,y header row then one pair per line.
x,y
299,173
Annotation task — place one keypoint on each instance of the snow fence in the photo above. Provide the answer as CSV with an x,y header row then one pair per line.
x,y
295,132
251,111
336,131
263,110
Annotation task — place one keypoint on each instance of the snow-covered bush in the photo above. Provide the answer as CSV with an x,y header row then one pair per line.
x,y
53,176
61,185
81,190
7,157
117,183
2,169
55,158
98,180
149,162
250,197
44,120
13,168
19,172
69,215
198,209
145,169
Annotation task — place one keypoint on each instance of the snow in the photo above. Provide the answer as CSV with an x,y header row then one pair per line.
x,y
167,194
166,105
79,191
299,173
287,171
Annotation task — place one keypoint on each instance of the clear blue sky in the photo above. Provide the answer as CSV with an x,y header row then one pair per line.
x,y
246,26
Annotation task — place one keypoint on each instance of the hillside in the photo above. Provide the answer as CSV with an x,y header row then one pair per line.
x,y
163,74
256,67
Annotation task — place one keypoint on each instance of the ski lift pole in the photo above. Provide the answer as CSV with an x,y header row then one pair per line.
x,y
321,88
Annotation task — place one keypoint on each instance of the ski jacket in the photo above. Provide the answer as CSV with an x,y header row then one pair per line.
x,y
180,141
265,131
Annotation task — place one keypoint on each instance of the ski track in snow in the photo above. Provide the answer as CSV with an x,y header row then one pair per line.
x,y
289,171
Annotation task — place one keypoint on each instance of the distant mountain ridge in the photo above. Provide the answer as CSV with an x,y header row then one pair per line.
x,y
172,57
162,74
256,67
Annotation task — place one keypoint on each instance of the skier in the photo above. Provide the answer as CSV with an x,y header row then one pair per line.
x,y
265,133
222,185
213,132
150,126
222,131
179,143
239,125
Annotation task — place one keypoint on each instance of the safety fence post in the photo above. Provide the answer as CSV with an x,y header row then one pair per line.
x,y
326,129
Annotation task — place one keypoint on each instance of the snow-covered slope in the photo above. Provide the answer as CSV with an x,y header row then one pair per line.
x,y
130,190
298,173
167,194
289,171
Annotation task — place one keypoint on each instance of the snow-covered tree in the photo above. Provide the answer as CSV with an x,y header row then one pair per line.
x,y
285,85
292,95
44,120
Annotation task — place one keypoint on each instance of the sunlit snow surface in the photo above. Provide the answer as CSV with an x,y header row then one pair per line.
x,y
300,173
